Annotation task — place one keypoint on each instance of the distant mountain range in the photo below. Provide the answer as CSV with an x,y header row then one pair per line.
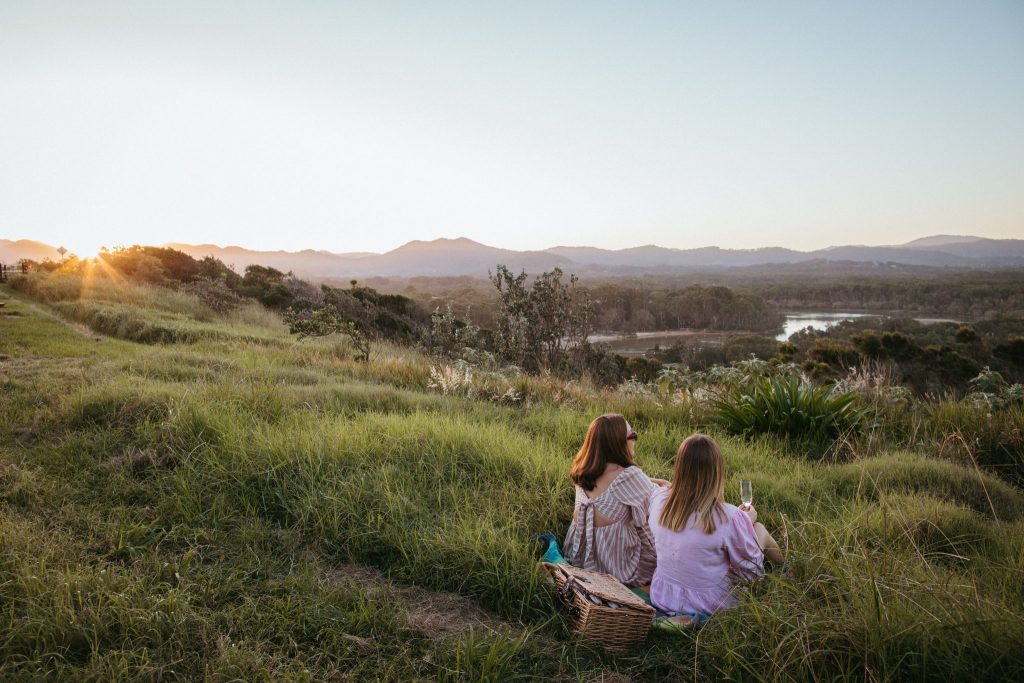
x,y
452,257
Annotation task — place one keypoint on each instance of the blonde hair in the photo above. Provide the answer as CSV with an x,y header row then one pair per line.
x,y
698,485
605,442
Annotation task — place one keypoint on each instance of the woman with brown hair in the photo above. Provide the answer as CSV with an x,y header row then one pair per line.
x,y
703,543
609,530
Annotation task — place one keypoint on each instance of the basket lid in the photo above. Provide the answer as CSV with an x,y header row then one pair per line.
x,y
602,585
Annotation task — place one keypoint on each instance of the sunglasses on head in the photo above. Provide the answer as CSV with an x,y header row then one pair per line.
x,y
631,435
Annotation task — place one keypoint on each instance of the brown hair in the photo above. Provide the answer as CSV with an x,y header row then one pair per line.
x,y
698,485
605,442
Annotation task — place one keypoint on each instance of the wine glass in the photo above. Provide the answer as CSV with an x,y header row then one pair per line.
x,y
746,492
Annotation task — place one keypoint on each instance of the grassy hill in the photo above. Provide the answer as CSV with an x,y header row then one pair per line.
x,y
186,495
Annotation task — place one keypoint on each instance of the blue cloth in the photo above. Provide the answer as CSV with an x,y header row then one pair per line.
x,y
549,548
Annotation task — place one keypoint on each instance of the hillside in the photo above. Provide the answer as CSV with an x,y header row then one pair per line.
x,y
239,506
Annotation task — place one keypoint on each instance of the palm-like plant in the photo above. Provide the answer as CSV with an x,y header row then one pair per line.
x,y
789,407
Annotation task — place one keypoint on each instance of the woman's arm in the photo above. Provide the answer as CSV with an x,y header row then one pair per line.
x,y
768,544
741,545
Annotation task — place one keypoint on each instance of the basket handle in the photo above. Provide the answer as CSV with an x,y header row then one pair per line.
x,y
566,591
580,581
552,568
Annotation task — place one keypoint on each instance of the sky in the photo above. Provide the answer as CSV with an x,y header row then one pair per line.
x,y
359,126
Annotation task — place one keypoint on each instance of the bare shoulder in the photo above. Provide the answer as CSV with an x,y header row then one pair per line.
x,y
611,472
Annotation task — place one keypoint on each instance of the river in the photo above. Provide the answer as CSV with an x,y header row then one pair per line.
x,y
642,342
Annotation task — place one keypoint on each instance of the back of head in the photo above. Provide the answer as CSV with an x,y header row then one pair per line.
x,y
698,485
604,443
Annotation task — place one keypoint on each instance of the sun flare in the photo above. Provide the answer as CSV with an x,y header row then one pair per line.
x,y
85,248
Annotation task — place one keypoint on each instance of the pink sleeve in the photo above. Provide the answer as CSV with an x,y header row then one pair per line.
x,y
635,491
745,556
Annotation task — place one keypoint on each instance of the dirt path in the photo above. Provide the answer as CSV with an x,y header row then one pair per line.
x,y
431,614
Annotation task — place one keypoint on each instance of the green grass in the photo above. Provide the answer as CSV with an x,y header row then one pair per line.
x,y
198,509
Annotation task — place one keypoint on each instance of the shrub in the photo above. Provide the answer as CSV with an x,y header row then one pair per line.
x,y
449,336
1012,350
643,369
837,355
214,293
790,408
952,368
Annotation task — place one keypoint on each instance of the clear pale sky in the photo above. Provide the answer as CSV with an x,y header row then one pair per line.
x,y
360,126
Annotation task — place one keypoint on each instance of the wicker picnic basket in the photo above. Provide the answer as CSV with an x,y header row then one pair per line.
x,y
618,627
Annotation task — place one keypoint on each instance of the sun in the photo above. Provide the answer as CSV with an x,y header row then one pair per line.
x,y
85,248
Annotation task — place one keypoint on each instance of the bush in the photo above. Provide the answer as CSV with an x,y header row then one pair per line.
x,y
790,408
1012,350
214,293
837,355
643,369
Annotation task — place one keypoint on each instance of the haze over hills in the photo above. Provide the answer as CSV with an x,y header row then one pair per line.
x,y
449,257
13,251
462,256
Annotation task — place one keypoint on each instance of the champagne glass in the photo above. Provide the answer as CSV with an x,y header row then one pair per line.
x,y
746,492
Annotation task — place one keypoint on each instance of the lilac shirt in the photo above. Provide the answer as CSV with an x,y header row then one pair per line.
x,y
696,571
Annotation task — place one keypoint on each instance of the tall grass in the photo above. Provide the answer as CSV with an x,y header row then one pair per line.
x,y
56,287
148,314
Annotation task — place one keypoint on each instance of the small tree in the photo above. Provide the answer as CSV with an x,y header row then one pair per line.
x,y
514,341
536,325
449,335
325,321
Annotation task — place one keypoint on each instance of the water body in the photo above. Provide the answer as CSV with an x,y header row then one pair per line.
x,y
820,321
642,342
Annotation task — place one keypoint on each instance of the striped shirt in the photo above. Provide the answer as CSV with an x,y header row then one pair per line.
x,y
624,548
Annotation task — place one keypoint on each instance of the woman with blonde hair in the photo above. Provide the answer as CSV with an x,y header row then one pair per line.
x,y
609,530
703,543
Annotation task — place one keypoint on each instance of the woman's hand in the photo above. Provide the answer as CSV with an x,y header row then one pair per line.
x,y
751,512
660,482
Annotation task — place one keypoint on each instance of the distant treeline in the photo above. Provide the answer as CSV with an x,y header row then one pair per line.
x,y
650,302
637,309
966,296
622,307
